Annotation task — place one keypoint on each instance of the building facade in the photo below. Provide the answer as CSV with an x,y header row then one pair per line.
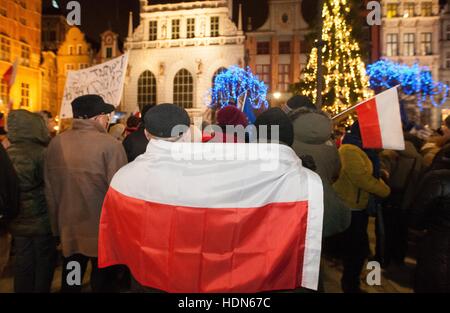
x,y
54,29
177,50
411,34
75,53
109,47
49,76
275,49
20,40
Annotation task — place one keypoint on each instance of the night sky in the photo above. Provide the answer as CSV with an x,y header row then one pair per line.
x,y
98,15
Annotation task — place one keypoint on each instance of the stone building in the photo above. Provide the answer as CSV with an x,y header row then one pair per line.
x,y
20,40
109,47
411,34
49,76
275,49
177,50
75,53
54,27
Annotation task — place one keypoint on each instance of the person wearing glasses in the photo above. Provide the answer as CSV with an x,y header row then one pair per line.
x,y
80,164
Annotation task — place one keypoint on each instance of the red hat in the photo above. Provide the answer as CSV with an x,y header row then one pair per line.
x,y
231,115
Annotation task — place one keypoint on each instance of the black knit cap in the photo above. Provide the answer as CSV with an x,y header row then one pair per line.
x,y
89,106
276,117
161,120
297,102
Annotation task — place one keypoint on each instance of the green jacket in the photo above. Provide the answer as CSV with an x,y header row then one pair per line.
x,y
29,137
313,138
356,181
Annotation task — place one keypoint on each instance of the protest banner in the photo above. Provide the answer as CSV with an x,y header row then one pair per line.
x,y
106,80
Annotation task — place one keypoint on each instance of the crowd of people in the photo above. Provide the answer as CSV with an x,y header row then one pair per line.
x,y
52,188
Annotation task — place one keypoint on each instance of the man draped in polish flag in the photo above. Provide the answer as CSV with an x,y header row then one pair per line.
x,y
380,122
184,218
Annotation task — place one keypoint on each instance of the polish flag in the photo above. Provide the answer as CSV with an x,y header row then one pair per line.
x,y
10,75
380,122
200,224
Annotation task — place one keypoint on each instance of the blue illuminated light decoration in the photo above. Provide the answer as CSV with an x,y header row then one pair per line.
x,y
414,80
233,84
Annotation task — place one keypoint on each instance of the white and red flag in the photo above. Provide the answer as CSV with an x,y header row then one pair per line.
x,y
212,224
11,73
380,121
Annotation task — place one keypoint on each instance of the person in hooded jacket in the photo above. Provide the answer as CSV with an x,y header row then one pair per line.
x,y
358,182
431,213
35,245
312,137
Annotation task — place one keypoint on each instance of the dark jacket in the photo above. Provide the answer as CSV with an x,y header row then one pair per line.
x,y
442,159
312,137
29,137
135,144
9,189
432,213
404,168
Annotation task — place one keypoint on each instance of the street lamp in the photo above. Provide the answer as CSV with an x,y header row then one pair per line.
x,y
277,95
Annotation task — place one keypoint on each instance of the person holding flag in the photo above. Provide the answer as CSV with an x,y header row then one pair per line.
x,y
358,181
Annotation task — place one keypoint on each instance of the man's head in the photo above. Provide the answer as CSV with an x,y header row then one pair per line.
x,y
232,116
166,121
92,107
145,109
297,102
275,117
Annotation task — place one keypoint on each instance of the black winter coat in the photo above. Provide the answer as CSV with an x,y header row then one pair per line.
x,y
135,144
29,137
432,213
9,189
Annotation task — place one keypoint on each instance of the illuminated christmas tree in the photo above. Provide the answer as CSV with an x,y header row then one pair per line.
x,y
345,82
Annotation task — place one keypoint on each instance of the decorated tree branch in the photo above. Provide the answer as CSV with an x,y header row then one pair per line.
x,y
414,80
344,74
240,87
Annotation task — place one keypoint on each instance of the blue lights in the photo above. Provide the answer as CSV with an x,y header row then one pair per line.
x,y
231,85
414,80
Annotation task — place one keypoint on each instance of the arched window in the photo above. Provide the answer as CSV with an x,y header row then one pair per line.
x,y
183,89
146,89
219,71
